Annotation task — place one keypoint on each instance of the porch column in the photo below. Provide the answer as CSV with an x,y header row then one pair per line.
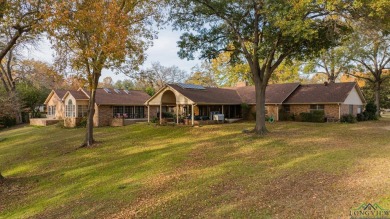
x,y
160,113
192,114
148,114
177,113
222,110
277,113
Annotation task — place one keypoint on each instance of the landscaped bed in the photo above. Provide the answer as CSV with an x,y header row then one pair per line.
x,y
299,170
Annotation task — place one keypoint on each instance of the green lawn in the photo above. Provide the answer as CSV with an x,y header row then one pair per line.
x,y
299,170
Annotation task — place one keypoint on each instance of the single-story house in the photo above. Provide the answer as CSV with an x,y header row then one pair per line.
x,y
336,99
112,106
198,102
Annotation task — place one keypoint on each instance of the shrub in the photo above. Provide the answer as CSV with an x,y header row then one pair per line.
x,y
314,116
361,117
167,115
318,116
154,119
348,118
370,112
305,117
7,121
245,110
82,123
285,116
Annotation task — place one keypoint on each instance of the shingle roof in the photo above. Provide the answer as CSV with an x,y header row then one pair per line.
x,y
135,97
60,93
210,95
274,93
320,93
78,95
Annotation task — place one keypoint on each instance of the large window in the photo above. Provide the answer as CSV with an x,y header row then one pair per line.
x,y
130,112
314,107
359,109
350,109
82,110
51,110
70,109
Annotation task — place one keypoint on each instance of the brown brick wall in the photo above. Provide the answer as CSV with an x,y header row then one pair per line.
x,y
345,109
153,111
332,110
271,110
299,108
103,116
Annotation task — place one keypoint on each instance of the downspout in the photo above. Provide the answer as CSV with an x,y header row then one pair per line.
x,y
148,114
339,111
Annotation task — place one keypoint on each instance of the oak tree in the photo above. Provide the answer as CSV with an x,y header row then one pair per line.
x,y
370,49
264,33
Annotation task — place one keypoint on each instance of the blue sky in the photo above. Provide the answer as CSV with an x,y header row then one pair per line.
x,y
164,50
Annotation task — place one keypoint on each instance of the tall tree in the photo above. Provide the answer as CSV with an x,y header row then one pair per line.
x,y
264,32
226,71
107,82
93,35
332,62
39,74
370,48
19,21
157,76
125,84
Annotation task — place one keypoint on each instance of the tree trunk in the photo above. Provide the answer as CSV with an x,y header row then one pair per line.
x,y
91,112
260,127
89,140
377,97
1,178
260,87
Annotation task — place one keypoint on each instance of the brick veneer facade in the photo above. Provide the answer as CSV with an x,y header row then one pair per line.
x,y
103,116
271,110
330,110
345,109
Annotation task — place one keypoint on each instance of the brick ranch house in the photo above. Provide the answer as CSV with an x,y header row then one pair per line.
x,y
196,102
113,107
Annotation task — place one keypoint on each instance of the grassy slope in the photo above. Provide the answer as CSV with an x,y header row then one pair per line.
x,y
300,170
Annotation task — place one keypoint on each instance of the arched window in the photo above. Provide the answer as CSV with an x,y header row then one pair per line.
x,y
70,109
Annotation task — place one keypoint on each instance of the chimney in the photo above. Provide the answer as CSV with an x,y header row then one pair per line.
x,y
241,84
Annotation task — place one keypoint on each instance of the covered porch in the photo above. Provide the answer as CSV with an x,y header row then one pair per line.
x,y
171,106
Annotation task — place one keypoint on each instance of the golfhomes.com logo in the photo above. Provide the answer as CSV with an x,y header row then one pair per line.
x,y
369,211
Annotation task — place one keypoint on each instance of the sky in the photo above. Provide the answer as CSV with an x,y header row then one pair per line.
x,y
164,50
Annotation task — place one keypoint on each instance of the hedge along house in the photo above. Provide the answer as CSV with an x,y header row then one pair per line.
x,y
112,107
335,99
200,103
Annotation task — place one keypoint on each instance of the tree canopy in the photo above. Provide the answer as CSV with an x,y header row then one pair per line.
x,y
263,33
94,35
